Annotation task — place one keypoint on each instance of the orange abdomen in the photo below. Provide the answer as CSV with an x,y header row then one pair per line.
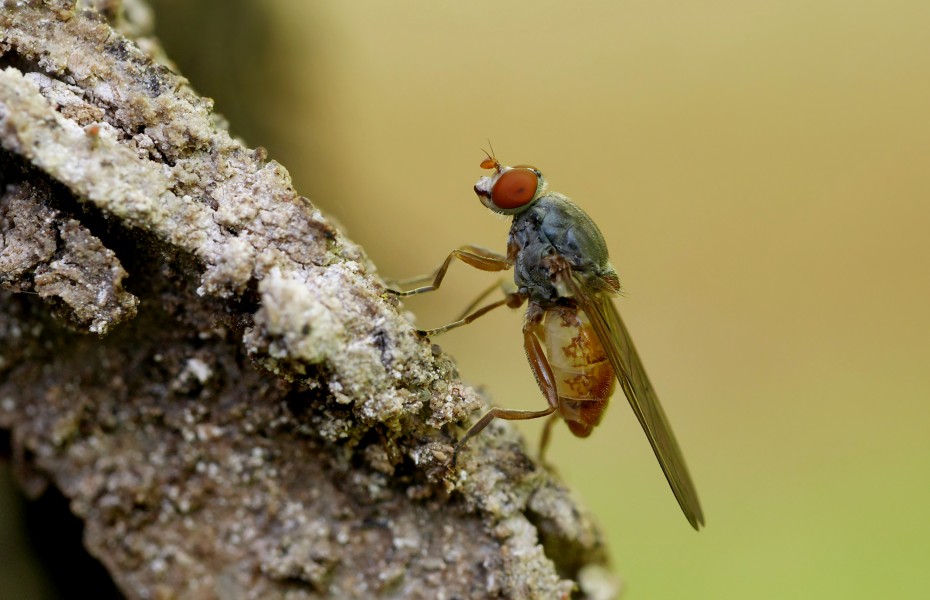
x,y
584,378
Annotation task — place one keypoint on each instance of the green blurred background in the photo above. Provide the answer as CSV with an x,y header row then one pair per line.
x,y
760,172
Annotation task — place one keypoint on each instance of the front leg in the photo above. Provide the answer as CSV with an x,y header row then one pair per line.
x,y
480,258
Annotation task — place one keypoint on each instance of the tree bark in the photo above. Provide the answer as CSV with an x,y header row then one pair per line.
x,y
211,372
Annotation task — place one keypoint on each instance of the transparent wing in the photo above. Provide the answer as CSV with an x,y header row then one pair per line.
x,y
632,376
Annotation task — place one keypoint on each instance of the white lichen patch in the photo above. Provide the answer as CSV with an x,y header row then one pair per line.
x,y
296,320
198,369
230,269
521,550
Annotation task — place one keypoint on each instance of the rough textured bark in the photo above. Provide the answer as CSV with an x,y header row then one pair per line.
x,y
211,373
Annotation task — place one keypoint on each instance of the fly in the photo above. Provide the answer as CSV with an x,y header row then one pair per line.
x,y
575,341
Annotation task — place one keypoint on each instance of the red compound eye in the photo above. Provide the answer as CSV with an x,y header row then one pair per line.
x,y
515,188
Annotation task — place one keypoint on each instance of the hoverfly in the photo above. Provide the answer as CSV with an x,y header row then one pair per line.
x,y
576,343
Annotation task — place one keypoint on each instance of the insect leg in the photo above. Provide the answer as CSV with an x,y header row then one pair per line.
x,y
512,299
465,320
544,440
545,379
540,365
474,256
499,413
487,292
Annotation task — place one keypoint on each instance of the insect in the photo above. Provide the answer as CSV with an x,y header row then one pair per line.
x,y
575,341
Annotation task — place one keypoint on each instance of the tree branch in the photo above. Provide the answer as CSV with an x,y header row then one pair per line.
x,y
149,264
